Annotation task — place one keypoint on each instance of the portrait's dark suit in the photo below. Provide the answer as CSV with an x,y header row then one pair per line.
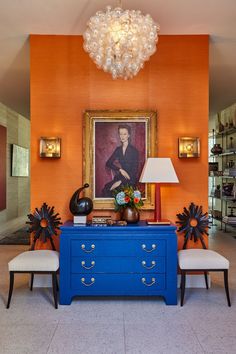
x,y
128,162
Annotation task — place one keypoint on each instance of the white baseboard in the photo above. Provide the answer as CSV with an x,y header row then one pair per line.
x,y
195,281
192,281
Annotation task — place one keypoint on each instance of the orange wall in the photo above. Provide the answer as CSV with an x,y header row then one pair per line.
x,y
65,82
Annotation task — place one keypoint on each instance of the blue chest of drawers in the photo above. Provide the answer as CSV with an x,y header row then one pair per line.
x,y
113,260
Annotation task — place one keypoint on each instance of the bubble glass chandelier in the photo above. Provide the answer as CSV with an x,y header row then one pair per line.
x,y
120,41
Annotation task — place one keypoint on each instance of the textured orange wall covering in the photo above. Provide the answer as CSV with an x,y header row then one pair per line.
x,y
65,82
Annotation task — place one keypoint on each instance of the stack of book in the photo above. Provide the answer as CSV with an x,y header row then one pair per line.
x,y
100,220
230,220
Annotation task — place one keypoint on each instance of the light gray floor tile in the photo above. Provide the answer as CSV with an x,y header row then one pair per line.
x,y
26,339
93,310
161,336
29,307
137,310
84,338
222,343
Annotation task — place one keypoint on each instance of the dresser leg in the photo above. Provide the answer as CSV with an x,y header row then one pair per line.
x,y
171,299
65,300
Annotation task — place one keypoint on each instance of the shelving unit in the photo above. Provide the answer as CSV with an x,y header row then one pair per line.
x,y
222,183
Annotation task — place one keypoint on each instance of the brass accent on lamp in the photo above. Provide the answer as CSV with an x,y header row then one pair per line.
x,y
189,147
50,147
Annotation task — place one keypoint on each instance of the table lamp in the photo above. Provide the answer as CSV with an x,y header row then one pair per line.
x,y
158,170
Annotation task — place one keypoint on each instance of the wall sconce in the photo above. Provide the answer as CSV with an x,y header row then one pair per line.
x,y
189,147
50,147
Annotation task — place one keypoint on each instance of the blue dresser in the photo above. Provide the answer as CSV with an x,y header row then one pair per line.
x,y
127,260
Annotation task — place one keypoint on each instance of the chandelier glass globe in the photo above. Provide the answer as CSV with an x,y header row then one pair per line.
x,y
120,41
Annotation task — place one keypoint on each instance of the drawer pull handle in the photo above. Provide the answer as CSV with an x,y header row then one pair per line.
x,y
89,284
149,267
88,251
148,284
89,267
144,247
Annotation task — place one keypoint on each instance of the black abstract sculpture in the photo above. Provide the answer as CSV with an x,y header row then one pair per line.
x,y
44,224
80,206
194,224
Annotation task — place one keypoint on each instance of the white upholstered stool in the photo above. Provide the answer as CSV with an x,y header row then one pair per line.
x,y
202,260
35,262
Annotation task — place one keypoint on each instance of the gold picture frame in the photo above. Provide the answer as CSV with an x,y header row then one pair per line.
x,y
101,141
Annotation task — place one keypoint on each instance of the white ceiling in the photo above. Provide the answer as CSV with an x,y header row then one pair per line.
x,y
19,18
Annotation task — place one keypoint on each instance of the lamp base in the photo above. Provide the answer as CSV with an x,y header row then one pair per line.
x,y
156,222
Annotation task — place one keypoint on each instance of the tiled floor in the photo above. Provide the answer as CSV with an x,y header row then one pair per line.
x,y
205,324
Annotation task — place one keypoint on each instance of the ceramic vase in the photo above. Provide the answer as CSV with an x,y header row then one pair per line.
x,y
217,149
131,215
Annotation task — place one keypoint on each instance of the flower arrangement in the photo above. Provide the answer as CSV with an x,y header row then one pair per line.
x,y
127,196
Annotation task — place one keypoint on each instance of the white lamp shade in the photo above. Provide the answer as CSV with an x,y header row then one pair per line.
x,y
158,170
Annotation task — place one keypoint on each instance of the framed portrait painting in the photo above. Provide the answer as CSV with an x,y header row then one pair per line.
x,y
115,147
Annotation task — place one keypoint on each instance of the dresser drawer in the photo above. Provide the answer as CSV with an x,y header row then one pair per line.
x,y
90,264
123,248
115,284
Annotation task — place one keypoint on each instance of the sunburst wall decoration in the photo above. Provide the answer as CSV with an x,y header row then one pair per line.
x,y
44,224
194,224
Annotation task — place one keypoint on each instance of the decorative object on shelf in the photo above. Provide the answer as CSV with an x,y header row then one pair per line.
x,y
44,224
231,144
216,149
232,172
128,201
50,147
217,191
106,134
193,223
213,166
217,214
227,189
220,125
231,217
120,41
80,207
158,170
189,147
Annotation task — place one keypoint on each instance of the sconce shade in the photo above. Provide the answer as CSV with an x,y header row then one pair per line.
x,y
189,147
50,147
158,170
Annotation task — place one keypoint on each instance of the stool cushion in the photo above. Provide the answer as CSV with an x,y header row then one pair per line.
x,y
39,260
201,259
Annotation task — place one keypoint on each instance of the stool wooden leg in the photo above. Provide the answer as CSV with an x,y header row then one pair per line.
x,y
10,289
227,286
32,281
54,288
183,279
206,280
